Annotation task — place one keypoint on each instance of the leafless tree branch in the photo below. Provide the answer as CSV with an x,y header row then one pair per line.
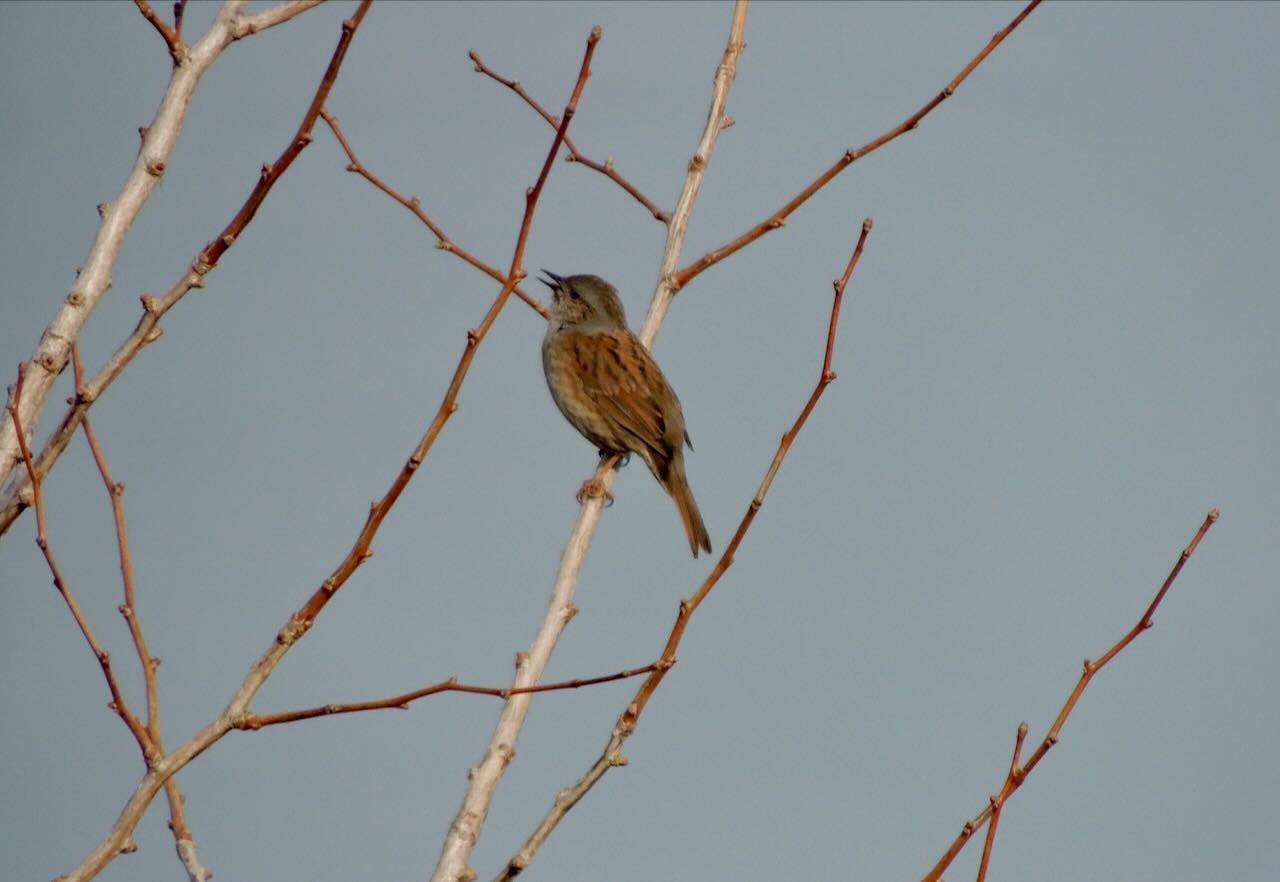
x,y
605,168
414,204
54,349
1018,774
679,279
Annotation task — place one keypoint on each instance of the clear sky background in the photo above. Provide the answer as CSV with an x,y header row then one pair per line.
x,y
1059,352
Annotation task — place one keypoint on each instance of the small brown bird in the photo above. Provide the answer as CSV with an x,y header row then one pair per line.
x,y
611,390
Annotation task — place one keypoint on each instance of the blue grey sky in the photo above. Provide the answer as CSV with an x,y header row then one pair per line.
x,y
1058,353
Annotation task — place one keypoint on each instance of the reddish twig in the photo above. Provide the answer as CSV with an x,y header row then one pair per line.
x,y
402,702
627,720
171,35
779,217
687,609
118,703
1018,775
184,843
414,204
605,168
179,7
208,258
997,801
128,610
148,328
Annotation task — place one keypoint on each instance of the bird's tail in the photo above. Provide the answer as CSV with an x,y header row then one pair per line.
x,y
677,484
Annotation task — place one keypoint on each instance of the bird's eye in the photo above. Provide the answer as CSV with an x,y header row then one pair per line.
x,y
573,295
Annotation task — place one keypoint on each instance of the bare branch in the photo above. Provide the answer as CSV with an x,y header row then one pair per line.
x,y
414,204
95,278
402,702
717,121
183,842
997,801
146,661
779,217
604,168
246,25
172,39
1018,776
118,703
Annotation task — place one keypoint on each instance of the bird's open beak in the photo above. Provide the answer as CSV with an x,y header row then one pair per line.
x,y
552,281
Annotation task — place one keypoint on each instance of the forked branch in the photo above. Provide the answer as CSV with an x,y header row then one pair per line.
x,y
402,702
414,204
1018,774
184,842
94,279
778,218
172,39
118,703
605,168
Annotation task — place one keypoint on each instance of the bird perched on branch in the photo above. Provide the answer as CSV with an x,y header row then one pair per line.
x,y
611,390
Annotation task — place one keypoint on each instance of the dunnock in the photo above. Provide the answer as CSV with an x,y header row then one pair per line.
x,y
611,390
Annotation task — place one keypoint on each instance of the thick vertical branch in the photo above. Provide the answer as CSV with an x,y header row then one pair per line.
x,y
466,827
679,225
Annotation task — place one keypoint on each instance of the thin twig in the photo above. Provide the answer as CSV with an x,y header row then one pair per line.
x,y
118,703
184,842
171,35
779,217
128,610
612,754
96,275
605,168
414,204
997,801
1017,777
402,702
208,258
179,7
